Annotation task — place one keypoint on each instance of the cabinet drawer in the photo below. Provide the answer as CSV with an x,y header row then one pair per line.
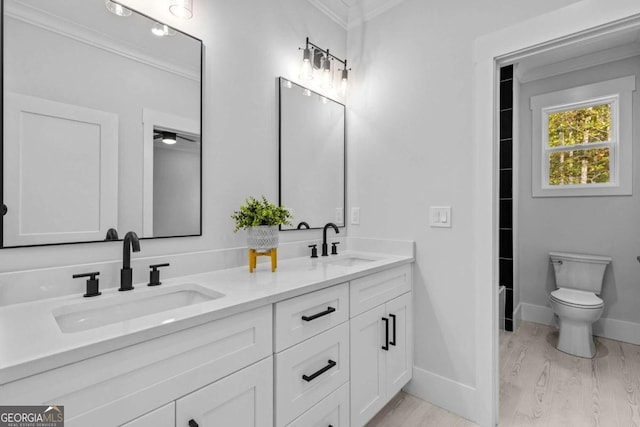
x,y
118,386
370,291
333,411
310,371
299,318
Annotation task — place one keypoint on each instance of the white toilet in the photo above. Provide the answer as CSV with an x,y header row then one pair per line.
x,y
579,279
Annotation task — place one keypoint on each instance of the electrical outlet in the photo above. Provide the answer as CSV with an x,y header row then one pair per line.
x,y
440,216
355,216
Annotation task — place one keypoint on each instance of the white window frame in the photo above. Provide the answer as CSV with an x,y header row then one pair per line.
x,y
617,93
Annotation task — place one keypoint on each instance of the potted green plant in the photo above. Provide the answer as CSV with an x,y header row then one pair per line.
x,y
261,220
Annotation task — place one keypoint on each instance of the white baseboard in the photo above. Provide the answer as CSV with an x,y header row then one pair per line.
x,y
517,317
453,396
619,330
536,313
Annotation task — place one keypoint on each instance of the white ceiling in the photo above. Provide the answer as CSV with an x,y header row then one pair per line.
x,y
349,13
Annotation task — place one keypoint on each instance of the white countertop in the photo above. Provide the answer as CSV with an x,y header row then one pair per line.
x,y
31,340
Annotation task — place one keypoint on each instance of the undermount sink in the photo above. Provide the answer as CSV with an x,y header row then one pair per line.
x,y
348,261
125,306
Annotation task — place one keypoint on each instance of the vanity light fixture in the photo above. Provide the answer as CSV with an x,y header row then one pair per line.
x,y
169,137
162,30
322,60
116,8
181,8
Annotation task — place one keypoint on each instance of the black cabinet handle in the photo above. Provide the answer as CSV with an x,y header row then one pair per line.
x,y
329,310
316,374
393,340
193,423
386,334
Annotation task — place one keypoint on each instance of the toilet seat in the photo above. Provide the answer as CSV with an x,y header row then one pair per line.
x,y
576,298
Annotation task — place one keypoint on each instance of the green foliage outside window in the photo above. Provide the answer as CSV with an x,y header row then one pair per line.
x,y
580,165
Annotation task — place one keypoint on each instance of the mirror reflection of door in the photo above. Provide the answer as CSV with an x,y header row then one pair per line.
x,y
176,183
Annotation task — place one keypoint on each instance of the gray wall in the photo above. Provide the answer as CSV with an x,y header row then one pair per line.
x,y
597,225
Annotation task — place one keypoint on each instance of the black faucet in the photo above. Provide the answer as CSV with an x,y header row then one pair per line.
x,y
126,273
325,251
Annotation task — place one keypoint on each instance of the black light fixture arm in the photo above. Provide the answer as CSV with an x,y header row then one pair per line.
x,y
324,51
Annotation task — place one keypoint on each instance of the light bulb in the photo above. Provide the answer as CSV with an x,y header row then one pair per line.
x,y
345,78
306,92
169,138
306,72
327,80
117,9
181,8
162,30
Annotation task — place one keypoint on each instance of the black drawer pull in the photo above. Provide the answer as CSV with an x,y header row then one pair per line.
x,y
193,423
316,374
329,310
393,340
386,334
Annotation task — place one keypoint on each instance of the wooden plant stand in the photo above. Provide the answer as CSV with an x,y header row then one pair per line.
x,y
253,258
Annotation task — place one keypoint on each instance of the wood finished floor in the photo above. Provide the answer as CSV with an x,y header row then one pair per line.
x,y
541,386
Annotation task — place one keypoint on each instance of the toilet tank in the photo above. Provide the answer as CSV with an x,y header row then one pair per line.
x,y
579,271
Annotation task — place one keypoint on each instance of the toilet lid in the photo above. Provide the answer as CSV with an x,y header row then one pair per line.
x,y
577,298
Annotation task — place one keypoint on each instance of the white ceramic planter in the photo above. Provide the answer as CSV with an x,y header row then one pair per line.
x,y
262,237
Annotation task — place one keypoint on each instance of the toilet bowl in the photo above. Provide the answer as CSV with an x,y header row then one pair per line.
x,y
579,279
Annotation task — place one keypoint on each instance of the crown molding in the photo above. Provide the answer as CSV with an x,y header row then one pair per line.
x,y
339,17
351,13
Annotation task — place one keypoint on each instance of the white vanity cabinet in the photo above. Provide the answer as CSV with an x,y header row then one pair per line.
x,y
122,386
381,341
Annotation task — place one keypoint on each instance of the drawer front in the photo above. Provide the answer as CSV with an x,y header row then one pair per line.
x,y
370,291
116,387
310,371
302,317
333,411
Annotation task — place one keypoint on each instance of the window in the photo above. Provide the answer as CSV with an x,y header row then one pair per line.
x,y
581,142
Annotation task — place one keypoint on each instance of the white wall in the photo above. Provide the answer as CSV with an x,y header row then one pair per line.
x,y
597,225
248,44
410,146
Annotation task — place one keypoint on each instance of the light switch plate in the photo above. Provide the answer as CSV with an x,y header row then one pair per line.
x,y
440,216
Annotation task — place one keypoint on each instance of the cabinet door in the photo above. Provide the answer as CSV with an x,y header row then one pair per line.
x,y
400,355
368,365
161,417
244,399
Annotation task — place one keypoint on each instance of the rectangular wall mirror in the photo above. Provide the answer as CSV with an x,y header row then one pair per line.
x,y
312,157
101,124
